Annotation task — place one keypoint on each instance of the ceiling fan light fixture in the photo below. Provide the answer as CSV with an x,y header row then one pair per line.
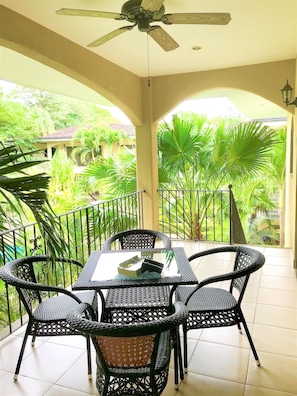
x,y
144,25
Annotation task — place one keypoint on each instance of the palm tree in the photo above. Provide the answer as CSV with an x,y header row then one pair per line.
x,y
89,140
110,137
208,157
23,194
117,174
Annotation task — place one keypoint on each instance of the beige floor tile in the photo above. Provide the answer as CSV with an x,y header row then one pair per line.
x,y
194,334
220,361
251,294
276,372
207,269
278,260
281,298
275,340
76,377
61,391
10,349
50,362
279,283
25,386
192,344
3,373
276,316
276,270
195,384
254,280
249,311
253,391
277,252
226,335
71,341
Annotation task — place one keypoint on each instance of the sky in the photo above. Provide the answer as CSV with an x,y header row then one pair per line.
x,y
211,107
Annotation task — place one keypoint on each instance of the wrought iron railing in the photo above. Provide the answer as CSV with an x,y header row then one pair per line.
x,y
200,215
84,230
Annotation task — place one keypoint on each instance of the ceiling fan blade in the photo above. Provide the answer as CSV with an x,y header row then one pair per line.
x,y
151,5
89,13
197,18
163,38
110,36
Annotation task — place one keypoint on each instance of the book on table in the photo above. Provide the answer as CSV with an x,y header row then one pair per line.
x,y
131,267
136,265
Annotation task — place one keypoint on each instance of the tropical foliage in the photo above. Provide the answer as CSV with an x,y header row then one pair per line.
x,y
25,194
91,140
116,175
196,155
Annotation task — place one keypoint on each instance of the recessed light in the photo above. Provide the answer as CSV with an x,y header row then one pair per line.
x,y
196,48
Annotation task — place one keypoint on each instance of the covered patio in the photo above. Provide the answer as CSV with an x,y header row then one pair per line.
x,y
254,54
249,60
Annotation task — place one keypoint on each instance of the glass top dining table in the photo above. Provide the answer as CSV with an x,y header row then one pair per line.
x,y
101,270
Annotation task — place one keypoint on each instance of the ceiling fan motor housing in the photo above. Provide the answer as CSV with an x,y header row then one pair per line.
x,y
134,13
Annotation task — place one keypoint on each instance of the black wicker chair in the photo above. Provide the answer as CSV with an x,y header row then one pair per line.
x,y
131,304
47,305
136,239
132,359
215,306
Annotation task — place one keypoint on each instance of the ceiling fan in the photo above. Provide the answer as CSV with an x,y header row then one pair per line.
x,y
144,12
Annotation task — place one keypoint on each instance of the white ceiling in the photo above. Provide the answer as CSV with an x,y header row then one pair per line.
x,y
259,31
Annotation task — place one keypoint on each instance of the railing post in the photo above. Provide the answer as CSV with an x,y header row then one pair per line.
x,y
230,215
236,230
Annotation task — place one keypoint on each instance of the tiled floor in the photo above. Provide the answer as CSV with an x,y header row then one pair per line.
x,y
220,360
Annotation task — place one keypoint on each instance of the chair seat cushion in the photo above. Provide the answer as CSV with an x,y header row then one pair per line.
x,y
207,299
56,308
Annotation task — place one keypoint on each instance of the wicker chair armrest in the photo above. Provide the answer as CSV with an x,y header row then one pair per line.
x,y
222,249
107,244
256,261
19,283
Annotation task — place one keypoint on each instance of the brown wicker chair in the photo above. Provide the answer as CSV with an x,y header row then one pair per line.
x,y
217,307
47,305
132,359
131,304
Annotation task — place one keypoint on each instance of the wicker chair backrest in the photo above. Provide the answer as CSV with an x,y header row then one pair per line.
x,y
126,352
25,272
245,260
128,346
136,239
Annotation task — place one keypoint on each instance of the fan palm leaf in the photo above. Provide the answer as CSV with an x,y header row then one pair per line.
x,y
20,190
